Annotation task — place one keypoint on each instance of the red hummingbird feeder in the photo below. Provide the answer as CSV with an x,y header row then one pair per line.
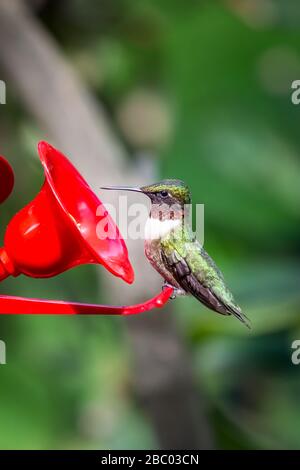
x,y
56,232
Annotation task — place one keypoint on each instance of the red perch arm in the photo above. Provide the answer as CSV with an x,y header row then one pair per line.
x,y
23,306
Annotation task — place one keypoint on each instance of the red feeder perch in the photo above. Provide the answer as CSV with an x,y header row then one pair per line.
x,y
57,231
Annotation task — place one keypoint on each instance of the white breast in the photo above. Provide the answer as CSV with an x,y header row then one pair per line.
x,y
156,229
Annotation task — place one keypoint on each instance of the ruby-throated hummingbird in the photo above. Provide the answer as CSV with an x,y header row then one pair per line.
x,y
174,252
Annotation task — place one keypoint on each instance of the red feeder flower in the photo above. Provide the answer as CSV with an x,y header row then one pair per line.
x,y
57,231
6,179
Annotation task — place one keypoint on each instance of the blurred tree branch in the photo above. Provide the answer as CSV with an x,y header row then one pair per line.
x,y
54,95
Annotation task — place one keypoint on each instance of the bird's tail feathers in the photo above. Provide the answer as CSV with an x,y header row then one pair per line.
x,y
236,311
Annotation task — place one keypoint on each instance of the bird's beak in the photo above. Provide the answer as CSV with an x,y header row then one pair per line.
x,y
122,188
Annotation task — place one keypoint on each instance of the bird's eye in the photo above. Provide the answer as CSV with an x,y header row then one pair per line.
x,y
164,193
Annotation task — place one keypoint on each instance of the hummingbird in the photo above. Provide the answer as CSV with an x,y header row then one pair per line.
x,y
173,250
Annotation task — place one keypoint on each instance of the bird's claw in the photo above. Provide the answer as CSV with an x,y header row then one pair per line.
x,y
167,285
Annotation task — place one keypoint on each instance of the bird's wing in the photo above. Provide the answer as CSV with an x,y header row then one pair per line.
x,y
196,272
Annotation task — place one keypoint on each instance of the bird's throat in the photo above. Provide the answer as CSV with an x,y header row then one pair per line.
x,y
160,227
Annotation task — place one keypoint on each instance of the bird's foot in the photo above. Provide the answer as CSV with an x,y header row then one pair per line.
x,y
176,291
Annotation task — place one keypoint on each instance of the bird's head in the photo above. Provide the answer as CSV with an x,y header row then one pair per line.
x,y
169,191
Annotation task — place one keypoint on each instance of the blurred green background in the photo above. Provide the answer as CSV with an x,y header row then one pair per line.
x,y
210,85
